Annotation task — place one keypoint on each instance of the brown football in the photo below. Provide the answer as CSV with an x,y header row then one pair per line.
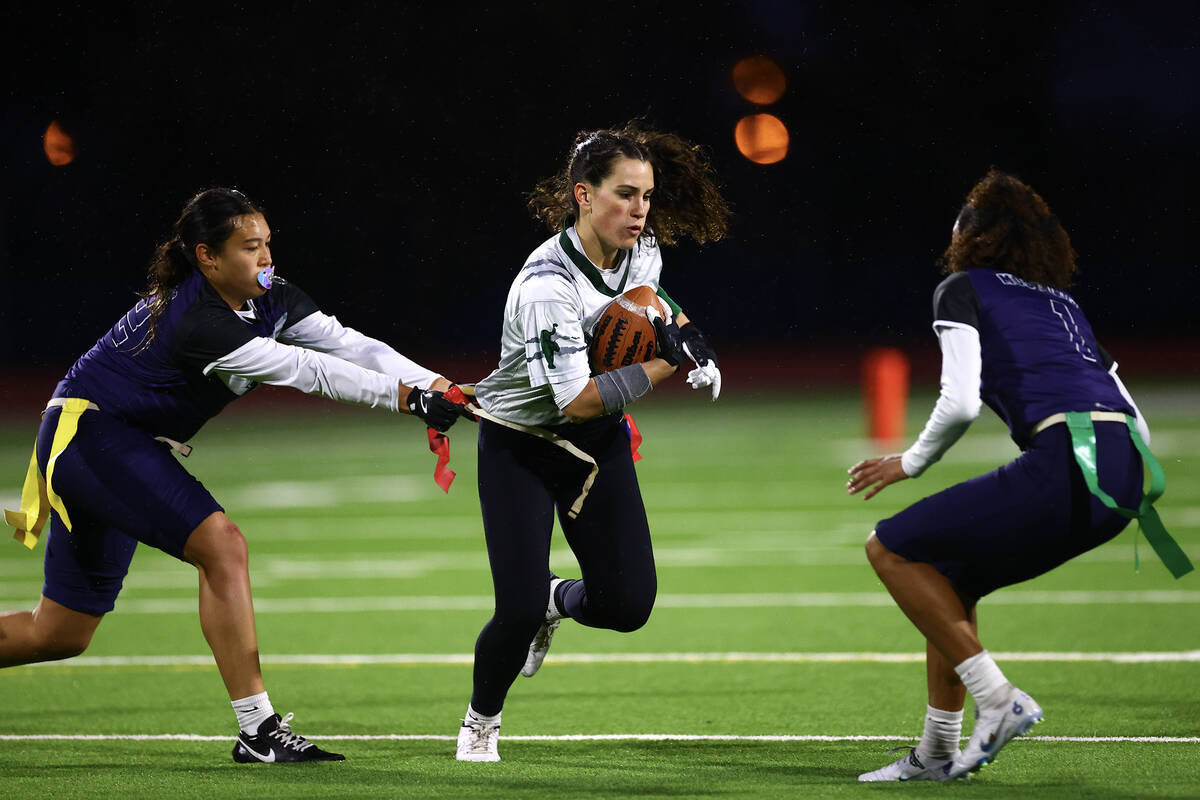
x,y
623,335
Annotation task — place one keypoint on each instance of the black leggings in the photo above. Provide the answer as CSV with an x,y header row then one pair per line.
x,y
522,480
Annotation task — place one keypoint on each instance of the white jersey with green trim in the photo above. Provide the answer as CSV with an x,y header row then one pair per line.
x,y
554,303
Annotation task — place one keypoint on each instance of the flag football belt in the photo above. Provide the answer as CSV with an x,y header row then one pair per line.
x,y
37,493
555,440
1083,444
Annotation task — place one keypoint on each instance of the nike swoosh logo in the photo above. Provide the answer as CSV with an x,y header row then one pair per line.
x,y
267,759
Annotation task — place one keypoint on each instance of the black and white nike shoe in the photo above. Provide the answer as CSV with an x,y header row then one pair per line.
x,y
275,743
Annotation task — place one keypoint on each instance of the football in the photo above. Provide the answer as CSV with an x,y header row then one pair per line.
x,y
623,335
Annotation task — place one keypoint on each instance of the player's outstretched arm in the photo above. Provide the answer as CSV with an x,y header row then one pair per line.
x,y
875,474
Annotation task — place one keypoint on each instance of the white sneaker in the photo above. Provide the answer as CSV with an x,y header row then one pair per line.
x,y
541,640
478,741
911,768
995,728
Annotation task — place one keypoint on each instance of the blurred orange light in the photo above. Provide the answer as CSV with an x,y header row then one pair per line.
x,y
762,138
59,146
759,80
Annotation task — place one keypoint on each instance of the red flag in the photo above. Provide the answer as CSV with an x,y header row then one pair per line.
x,y
439,444
635,438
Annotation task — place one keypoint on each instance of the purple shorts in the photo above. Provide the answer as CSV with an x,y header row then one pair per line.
x,y
1023,519
120,487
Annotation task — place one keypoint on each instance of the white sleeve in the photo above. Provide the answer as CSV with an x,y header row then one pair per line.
x,y
322,332
1143,428
958,402
265,360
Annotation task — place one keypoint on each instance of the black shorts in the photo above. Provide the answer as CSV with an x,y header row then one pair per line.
x,y
1023,519
119,486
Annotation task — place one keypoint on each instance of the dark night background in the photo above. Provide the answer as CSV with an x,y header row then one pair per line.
x,y
392,145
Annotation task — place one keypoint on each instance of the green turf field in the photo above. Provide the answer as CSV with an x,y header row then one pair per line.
x,y
774,664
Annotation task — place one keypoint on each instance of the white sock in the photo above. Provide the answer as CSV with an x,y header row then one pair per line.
x,y
943,733
984,680
251,711
553,612
475,716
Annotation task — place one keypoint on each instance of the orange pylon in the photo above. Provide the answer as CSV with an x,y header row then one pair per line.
x,y
885,393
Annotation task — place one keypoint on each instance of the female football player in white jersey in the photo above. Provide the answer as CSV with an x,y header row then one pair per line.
x,y
213,323
552,435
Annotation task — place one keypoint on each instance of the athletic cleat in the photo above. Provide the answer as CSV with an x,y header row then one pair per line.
x,y
539,647
995,728
541,640
275,743
910,768
478,741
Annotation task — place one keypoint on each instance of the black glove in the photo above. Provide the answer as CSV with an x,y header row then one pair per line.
x,y
432,407
697,344
670,346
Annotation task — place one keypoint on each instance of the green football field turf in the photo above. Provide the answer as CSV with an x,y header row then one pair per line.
x,y
774,664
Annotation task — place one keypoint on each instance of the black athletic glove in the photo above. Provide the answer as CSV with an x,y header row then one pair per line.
x,y
696,345
432,407
670,346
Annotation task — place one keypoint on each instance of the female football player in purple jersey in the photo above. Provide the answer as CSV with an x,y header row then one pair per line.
x,y
551,434
213,322
1012,337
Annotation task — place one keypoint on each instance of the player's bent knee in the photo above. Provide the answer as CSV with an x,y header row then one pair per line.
x,y
882,559
876,551
217,543
633,614
55,631
629,623
62,646
63,636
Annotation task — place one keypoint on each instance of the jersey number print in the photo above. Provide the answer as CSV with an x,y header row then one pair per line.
x,y
1081,346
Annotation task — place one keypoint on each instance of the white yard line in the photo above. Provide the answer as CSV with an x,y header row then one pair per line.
x,y
570,737
560,659
308,605
834,545
879,599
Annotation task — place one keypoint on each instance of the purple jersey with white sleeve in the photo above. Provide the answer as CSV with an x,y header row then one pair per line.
x,y
162,387
1039,354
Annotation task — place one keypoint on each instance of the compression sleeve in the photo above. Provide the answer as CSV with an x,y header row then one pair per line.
x,y
1143,428
620,387
265,360
958,402
324,333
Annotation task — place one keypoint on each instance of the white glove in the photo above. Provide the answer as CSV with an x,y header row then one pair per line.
x,y
706,374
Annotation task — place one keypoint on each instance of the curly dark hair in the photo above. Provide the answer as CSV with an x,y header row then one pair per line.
x,y
687,201
1006,226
